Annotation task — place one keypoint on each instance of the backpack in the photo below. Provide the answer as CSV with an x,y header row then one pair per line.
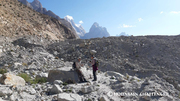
x,y
74,65
96,63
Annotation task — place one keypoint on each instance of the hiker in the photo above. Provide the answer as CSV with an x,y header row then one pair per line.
x,y
94,66
77,66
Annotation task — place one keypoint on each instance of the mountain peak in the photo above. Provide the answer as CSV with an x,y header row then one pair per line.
x,y
96,31
36,4
95,24
68,17
36,1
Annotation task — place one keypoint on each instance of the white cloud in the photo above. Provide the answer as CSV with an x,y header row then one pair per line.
x,y
127,26
140,19
175,12
81,22
161,12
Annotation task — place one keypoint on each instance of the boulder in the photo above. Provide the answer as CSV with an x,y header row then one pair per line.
x,y
87,89
27,96
5,91
31,90
11,79
12,98
56,89
63,75
0,51
42,75
68,97
104,98
58,82
93,52
17,65
115,74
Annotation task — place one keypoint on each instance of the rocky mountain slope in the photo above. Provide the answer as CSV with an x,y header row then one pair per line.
x,y
96,31
37,6
17,20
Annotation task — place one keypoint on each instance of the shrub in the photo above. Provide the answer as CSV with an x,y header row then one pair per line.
x,y
40,80
64,83
0,5
26,77
2,71
89,100
68,90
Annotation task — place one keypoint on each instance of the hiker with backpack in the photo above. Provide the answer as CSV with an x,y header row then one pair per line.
x,y
94,63
77,66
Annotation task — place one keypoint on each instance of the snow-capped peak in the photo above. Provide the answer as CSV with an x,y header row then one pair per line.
x,y
69,17
79,29
77,25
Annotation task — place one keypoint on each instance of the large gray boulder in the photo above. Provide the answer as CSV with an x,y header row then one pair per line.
x,y
11,79
63,75
68,97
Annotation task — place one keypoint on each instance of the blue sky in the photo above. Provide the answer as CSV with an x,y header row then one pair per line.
x,y
134,17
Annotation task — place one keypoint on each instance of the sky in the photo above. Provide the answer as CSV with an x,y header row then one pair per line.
x,y
133,17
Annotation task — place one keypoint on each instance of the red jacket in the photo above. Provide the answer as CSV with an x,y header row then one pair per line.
x,y
93,65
